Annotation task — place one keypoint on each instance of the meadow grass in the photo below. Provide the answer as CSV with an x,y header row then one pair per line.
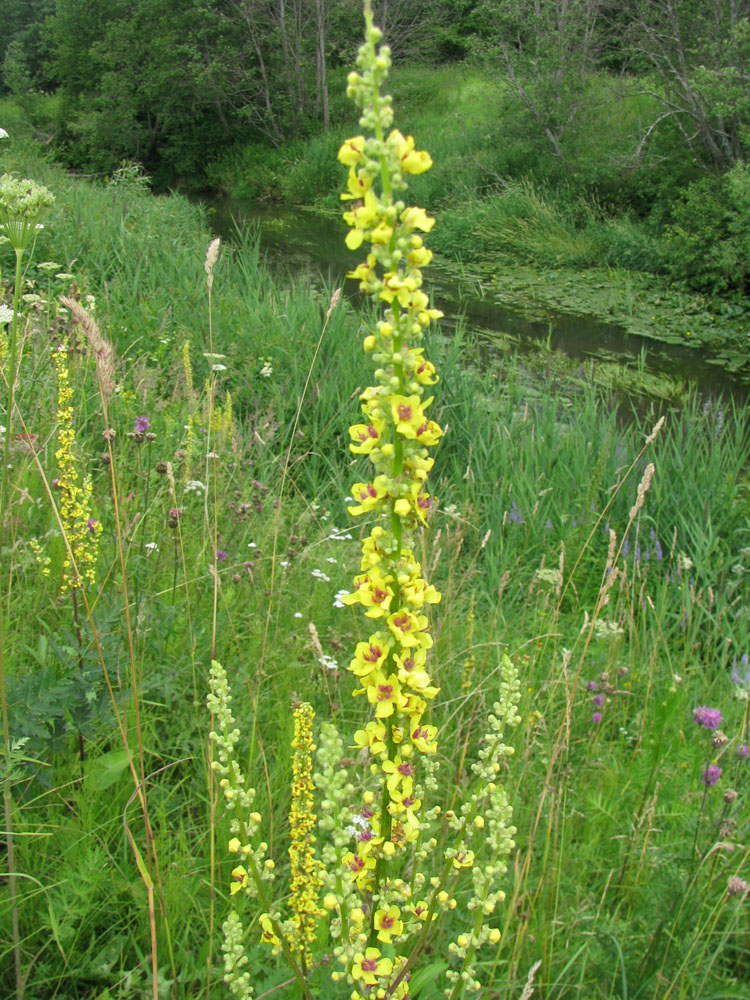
x,y
229,537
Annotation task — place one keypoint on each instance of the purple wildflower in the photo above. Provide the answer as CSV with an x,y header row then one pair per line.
x,y
142,424
596,718
515,514
711,775
221,555
91,524
737,677
708,717
599,700
743,751
591,685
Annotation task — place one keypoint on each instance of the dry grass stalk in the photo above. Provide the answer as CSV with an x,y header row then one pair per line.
x,y
334,302
643,488
529,987
657,427
104,352
212,255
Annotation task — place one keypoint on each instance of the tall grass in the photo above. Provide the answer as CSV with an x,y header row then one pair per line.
x,y
619,883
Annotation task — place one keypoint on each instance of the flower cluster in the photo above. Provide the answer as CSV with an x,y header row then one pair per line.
x,y
249,876
305,868
395,435
23,203
81,530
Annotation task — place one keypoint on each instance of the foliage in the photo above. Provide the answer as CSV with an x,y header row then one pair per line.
x,y
708,243
630,868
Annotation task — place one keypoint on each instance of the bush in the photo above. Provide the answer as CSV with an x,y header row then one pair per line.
x,y
708,243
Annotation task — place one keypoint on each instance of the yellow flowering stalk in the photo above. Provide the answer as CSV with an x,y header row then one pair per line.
x,y
305,868
81,529
382,880
395,901
251,876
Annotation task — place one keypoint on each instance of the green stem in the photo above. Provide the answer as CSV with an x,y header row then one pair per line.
x,y
4,507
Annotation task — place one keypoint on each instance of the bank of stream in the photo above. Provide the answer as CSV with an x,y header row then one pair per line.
x,y
594,323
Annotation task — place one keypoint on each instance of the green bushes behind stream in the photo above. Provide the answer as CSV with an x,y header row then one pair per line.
x,y
503,197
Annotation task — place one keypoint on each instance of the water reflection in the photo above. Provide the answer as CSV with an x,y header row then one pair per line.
x,y
310,245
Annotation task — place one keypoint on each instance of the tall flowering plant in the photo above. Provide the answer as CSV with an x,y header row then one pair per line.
x,y
391,863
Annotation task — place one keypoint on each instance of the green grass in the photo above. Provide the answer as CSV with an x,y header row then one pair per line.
x,y
499,193
618,884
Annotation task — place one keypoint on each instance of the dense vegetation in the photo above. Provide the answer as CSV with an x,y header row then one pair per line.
x,y
193,449
224,533
621,127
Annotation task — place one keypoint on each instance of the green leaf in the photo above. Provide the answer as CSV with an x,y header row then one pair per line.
x,y
106,770
425,977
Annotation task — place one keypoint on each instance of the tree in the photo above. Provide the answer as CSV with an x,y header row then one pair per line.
x,y
697,53
548,48
142,80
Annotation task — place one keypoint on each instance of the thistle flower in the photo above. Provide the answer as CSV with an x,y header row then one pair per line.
x,y
710,718
711,775
23,204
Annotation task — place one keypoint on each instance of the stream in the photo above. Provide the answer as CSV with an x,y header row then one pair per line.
x,y
311,246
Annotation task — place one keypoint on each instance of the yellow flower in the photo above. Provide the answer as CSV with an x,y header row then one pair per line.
x,y
372,736
360,869
365,436
368,495
351,152
268,935
369,966
373,591
411,161
384,693
240,879
409,629
388,924
464,859
417,218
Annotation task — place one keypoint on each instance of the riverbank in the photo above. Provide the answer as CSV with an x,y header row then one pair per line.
x,y
621,242
642,333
